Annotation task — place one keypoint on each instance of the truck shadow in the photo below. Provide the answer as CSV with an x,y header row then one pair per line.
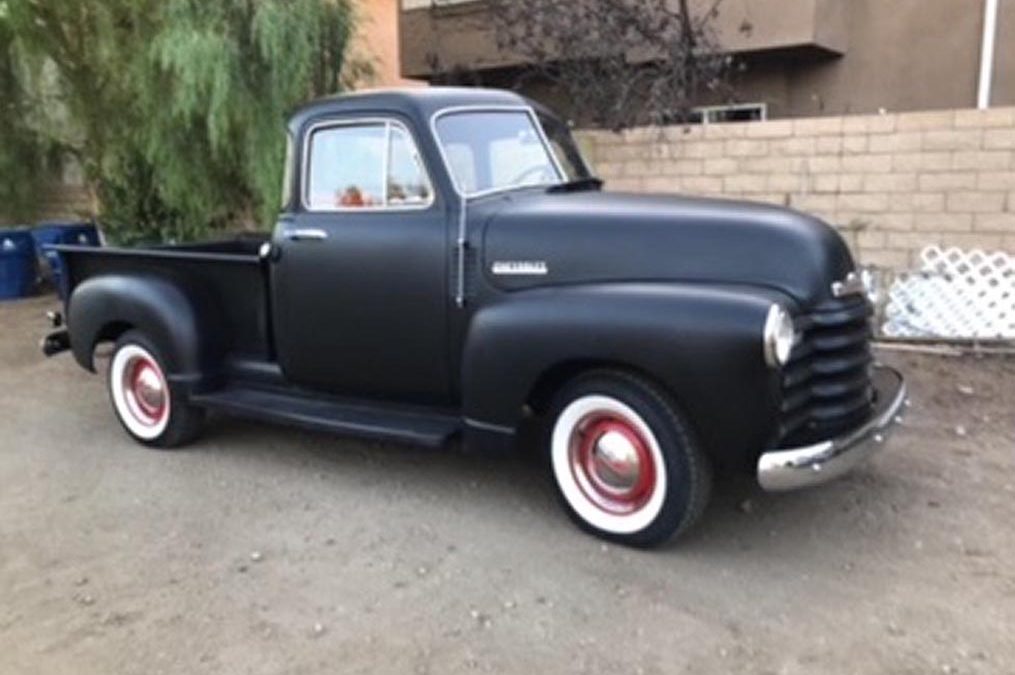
x,y
741,519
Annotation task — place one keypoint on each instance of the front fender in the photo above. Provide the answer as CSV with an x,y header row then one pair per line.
x,y
162,310
703,344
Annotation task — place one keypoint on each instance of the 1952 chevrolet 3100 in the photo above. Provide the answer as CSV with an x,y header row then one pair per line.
x,y
445,263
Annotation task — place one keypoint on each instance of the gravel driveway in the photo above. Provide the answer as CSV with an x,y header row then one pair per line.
x,y
264,550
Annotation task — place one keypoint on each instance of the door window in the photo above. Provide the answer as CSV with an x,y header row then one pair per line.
x,y
407,184
367,165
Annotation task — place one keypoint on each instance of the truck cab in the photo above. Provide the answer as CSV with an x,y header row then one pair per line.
x,y
446,264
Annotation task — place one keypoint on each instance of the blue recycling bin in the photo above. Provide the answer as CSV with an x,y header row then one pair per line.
x,y
49,234
18,265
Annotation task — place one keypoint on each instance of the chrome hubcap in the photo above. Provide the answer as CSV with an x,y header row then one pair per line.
x,y
615,462
148,389
611,463
144,389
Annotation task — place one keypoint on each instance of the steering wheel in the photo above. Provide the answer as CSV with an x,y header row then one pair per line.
x,y
539,169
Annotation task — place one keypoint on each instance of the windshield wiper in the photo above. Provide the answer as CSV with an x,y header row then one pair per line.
x,y
577,185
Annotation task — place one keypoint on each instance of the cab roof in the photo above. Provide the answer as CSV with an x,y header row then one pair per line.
x,y
419,103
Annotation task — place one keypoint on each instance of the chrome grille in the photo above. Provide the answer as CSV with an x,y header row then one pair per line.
x,y
826,385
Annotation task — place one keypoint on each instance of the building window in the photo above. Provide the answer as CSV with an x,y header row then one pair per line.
x,y
740,112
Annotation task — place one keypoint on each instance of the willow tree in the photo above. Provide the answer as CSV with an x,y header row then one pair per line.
x,y
23,153
172,108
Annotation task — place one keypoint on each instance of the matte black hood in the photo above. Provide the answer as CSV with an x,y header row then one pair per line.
x,y
605,236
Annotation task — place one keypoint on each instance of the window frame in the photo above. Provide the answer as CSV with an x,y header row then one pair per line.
x,y
528,110
708,111
388,124
288,191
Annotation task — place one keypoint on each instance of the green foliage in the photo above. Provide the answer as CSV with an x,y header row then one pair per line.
x,y
173,108
23,152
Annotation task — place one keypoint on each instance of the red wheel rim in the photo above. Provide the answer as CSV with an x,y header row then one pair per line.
x,y
612,463
144,389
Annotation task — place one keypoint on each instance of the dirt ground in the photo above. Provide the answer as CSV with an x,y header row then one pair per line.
x,y
265,550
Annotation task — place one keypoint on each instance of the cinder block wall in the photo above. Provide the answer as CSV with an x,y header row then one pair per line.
x,y
892,183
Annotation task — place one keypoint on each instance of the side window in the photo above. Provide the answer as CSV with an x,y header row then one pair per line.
x,y
346,167
407,184
367,165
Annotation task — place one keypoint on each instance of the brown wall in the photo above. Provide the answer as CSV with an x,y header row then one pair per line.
x,y
893,183
902,55
756,25
460,31
1004,62
896,55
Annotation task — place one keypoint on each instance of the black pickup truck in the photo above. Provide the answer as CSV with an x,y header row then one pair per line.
x,y
446,265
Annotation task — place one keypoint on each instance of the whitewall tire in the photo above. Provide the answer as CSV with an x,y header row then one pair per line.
x,y
626,465
140,392
142,397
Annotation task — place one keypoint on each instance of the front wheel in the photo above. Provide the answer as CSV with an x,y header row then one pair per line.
x,y
142,398
626,464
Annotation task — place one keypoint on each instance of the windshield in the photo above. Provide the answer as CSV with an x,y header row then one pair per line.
x,y
563,146
495,150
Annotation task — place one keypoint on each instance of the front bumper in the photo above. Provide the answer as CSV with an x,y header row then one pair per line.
x,y
792,468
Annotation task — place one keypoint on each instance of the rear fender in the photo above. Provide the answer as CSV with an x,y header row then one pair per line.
x,y
187,333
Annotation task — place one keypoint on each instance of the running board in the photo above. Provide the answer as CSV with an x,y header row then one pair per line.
x,y
411,426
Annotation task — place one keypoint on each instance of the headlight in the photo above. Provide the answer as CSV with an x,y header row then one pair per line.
x,y
778,336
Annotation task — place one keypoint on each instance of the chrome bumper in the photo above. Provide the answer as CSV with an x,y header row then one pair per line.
x,y
792,468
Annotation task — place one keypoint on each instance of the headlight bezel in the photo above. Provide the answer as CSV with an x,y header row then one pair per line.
x,y
779,336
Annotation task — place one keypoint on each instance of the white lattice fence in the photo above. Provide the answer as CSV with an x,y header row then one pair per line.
x,y
955,295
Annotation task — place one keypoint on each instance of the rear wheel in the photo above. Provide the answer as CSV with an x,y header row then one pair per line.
x,y
625,462
142,398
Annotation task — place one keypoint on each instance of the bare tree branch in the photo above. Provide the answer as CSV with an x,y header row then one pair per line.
x,y
619,63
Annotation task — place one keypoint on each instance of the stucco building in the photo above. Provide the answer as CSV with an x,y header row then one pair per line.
x,y
377,40
798,57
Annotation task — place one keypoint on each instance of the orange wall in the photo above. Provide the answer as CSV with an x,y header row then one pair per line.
x,y
377,39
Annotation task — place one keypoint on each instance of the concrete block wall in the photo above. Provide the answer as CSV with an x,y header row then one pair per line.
x,y
892,184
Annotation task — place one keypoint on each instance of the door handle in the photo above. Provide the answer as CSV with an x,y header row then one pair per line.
x,y
306,234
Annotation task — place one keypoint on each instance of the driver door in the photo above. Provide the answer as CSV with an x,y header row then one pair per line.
x,y
360,285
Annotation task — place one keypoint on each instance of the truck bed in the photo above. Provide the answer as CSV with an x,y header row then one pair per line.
x,y
228,275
